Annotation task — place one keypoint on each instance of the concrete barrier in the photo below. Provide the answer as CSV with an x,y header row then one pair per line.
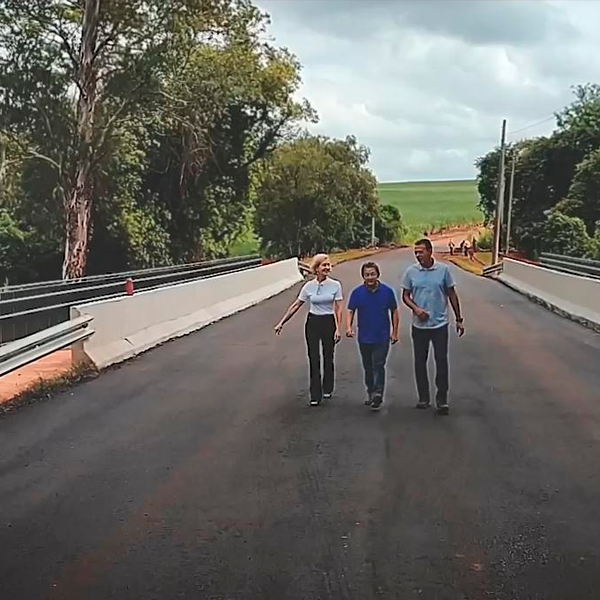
x,y
129,325
573,296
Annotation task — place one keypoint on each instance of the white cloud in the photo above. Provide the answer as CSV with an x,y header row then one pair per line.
x,y
426,83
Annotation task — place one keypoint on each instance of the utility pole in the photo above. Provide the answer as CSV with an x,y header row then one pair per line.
x,y
510,200
500,198
372,232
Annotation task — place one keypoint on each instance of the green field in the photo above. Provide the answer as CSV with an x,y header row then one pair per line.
x,y
432,205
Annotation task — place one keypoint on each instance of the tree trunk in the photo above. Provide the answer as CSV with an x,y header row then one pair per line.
x,y
78,202
2,166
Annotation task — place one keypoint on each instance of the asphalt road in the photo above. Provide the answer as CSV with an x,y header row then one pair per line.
x,y
199,471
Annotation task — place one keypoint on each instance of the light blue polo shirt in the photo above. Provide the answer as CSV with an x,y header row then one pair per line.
x,y
429,291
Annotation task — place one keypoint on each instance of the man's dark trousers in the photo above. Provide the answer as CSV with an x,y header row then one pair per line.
x,y
421,340
374,357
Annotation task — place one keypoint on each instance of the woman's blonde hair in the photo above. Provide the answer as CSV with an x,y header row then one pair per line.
x,y
317,261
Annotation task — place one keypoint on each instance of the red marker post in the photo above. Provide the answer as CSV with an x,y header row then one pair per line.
x,y
129,286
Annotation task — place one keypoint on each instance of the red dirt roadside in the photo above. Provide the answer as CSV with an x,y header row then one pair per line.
x,y
48,368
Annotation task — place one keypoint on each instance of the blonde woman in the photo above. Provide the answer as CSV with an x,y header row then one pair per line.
x,y
323,325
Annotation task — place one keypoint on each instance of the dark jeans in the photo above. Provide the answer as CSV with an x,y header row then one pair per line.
x,y
320,331
421,340
374,357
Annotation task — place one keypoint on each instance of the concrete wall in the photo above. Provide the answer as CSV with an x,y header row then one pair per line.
x,y
573,296
129,325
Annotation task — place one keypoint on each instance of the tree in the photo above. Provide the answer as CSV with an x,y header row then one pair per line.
x,y
234,105
580,121
315,194
584,194
389,225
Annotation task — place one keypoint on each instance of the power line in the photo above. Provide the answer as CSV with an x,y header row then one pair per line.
x,y
552,116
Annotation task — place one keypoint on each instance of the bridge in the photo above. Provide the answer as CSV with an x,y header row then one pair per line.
x,y
197,470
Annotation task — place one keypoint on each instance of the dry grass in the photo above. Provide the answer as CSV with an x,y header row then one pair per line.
x,y
44,389
472,266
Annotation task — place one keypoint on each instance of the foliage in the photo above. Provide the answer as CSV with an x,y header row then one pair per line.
x,y
486,240
389,225
190,99
565,235
584,193
315,194
13,249
580,121
593,249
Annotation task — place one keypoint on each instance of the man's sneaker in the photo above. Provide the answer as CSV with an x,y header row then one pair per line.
x,y
327,396
368,400
377,402
421,404
443,409
315,402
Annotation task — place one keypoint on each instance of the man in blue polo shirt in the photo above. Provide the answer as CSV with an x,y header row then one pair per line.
x,y
376,303
427,287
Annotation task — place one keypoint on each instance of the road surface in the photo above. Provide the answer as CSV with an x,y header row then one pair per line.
x,y
199,471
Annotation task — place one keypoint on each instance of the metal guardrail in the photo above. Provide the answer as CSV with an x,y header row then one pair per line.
x,y
27,309
47,287
572,266
304,268
19,353
493,270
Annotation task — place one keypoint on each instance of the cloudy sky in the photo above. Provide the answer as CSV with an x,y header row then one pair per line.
x,y
426,83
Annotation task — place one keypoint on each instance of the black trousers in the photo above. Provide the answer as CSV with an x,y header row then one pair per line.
x,y
422,338
320,333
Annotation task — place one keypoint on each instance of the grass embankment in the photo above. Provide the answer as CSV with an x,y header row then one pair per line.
x,y
472,265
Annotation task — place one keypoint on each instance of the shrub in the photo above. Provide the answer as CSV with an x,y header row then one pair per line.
x,y
565,235
485,240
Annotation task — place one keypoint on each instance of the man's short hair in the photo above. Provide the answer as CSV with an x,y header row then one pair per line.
x,y
370,265
425,242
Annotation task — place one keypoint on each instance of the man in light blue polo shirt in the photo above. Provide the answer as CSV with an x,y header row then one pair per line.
x,y
378,323
426,289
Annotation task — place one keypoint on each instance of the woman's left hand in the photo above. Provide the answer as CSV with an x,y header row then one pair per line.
x,y
337,336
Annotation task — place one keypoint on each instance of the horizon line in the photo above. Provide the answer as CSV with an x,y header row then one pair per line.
x,y
428,180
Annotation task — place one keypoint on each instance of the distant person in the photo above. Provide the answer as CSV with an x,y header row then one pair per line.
x,y
466,248
378,322
451,246
426,289
472,249
323,325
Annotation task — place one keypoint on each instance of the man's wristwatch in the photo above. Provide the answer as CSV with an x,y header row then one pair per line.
x,y
459,320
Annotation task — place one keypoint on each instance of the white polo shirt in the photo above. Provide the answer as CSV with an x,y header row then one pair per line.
x,y
321,296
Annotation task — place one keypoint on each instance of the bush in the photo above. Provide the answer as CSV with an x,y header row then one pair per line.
x,y
389,226
486,240
593,251
565,235
13,250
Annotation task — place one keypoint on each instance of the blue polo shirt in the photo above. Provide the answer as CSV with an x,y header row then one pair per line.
x,y
374,308
429,291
